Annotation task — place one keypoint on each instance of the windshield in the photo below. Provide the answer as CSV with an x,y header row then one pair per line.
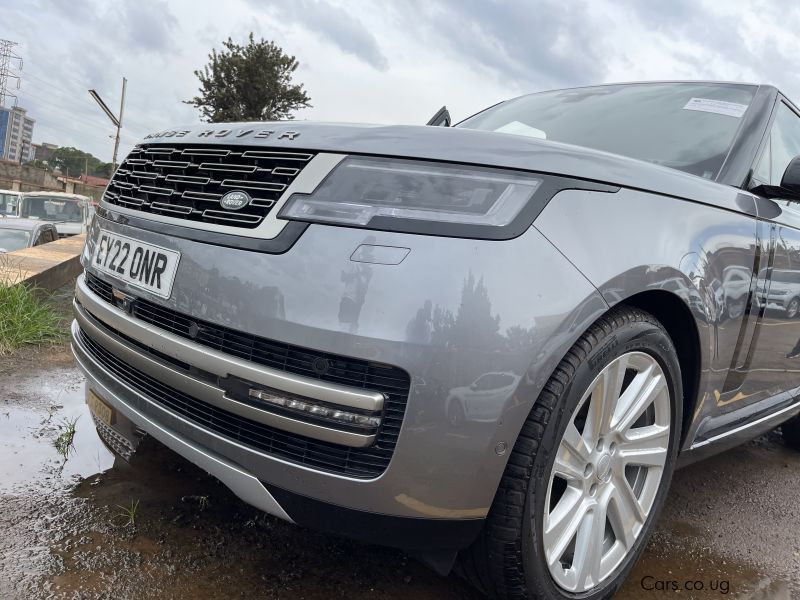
x,y
52,209
8,204
686,126
13,239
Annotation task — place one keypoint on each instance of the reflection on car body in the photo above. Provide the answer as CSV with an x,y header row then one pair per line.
x,y
482,400
784,291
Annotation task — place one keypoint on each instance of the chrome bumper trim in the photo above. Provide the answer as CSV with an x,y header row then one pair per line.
x,y
209,393
223,364
770,420
241,483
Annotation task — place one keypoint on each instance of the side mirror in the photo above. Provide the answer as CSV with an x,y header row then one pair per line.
x,y
789,189
791,177
441,118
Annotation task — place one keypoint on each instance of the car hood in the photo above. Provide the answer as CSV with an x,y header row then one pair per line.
x,y
458,145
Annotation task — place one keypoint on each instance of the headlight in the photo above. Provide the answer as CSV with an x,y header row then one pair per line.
x,y
419,197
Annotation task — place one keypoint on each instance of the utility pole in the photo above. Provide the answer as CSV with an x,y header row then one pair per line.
x,y
7,58
117,121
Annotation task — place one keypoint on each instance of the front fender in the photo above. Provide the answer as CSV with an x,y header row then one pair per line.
x,y
634,242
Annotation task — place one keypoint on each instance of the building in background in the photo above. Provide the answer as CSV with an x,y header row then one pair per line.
x,y
16,133
43,151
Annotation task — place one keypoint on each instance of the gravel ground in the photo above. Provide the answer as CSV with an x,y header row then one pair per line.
x,y
730,525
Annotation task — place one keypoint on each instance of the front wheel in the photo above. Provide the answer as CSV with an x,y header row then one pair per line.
x,y
588,475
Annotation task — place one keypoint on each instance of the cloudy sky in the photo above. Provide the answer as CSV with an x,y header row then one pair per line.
x,y
380,62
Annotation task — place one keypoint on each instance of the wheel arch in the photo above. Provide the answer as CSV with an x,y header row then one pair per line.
x,y
677,318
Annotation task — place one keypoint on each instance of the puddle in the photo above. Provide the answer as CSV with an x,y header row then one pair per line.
x,y
32,417
669,569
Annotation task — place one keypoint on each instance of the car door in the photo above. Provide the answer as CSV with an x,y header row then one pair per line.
x,y
780,331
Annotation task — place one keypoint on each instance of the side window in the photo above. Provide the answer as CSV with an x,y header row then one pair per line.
x,y
764,169
783,145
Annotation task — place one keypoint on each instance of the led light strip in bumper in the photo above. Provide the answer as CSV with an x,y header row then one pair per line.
x,y
309,407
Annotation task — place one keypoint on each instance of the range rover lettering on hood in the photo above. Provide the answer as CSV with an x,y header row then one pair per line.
x,y
221,133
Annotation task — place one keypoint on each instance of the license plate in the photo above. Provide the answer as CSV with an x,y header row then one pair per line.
x,y
99,409
144,266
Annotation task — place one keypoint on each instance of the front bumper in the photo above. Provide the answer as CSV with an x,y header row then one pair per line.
x,y
426,536
137,410
441,475
242,483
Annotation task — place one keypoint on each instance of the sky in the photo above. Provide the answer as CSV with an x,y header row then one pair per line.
x,y
377,62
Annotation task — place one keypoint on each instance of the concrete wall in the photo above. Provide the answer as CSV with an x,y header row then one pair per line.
x,y
24,178
48,266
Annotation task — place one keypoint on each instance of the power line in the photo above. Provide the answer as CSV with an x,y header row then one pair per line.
x,y
49,84
74,136
72,132
72,116
87,120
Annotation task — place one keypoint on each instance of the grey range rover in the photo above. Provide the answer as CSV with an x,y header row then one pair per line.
x,y
489,345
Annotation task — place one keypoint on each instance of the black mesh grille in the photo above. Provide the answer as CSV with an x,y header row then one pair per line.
x,y
187,182
99,287
358,462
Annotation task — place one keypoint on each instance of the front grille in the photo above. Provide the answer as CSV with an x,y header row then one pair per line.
x,y
99,287
187,182
393,382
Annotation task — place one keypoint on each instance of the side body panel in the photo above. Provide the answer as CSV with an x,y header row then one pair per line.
x,y
714,260
784,291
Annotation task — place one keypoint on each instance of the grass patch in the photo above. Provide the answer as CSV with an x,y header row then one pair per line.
x,y
27,316
129,513
64,441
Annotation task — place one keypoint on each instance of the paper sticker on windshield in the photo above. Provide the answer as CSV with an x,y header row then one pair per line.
x,y
518,128
721,107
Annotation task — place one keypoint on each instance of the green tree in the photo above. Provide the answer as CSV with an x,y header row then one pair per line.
x,y
71,161
102,170
39,164
248,83
74,162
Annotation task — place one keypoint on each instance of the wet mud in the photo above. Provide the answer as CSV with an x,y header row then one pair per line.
x,y
82,524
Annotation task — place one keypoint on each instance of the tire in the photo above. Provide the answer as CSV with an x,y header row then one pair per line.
x,y
508,560
791,433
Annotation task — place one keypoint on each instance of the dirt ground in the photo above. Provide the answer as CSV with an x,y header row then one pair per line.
x,y
730,525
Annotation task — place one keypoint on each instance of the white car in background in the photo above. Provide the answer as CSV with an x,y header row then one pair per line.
x,y
784,292
71,213
9,203
479,400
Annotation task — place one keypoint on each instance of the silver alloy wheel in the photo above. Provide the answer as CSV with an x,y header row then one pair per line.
x,y
607,472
